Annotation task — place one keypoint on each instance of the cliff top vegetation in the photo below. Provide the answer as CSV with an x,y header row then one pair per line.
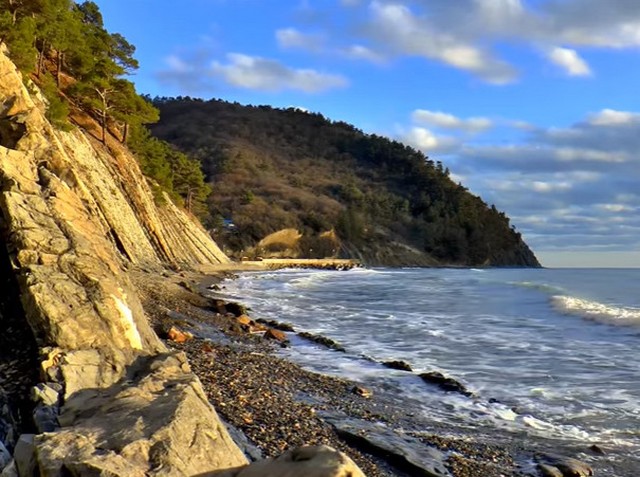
x,y
65,49
273,169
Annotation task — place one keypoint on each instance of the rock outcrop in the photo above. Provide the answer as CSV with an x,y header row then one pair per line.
x,y
74,214
112,401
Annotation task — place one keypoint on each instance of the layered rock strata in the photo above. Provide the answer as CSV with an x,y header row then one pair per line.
x,y
75,213
112,401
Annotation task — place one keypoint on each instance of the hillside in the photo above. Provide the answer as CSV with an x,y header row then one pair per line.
x,y
388,204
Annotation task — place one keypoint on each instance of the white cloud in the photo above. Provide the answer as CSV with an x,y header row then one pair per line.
x,y
449,121
548,186
177,64
572,186
616,208
397,27
570,61
427,141
466,34
361,52
611,117
254,72
585,154
293,38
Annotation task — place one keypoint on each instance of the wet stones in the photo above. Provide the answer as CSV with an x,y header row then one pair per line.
x,y
445,383
226,307
277,335
559,466
362,391
322,340
399,365
276,324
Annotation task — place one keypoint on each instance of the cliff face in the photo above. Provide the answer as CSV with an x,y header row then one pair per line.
x,y
73,215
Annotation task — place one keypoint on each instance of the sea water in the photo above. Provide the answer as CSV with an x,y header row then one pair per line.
x,y
550,354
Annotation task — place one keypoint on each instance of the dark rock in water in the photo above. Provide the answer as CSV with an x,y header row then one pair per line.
x,y
560,466
362,391
222,307
276,324
400,365
406,453
596,449
445,383
322,340
235,308
275,335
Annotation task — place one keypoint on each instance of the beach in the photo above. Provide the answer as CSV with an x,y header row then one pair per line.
x,y
273,404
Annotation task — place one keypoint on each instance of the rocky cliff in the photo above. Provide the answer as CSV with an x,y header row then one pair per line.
x,y
74,215
109,398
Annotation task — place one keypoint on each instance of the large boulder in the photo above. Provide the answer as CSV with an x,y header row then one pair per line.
x,y
156,421
312,461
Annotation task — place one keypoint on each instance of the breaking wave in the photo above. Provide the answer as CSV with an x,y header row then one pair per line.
x,y
593,310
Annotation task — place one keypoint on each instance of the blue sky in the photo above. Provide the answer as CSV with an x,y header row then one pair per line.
x,y
532,104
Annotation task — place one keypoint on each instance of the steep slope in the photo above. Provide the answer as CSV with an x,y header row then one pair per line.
x,y
73,216
276,169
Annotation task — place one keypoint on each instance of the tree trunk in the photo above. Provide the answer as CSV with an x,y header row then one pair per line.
x,y
189,199
125,133
60,57
104,127
41,58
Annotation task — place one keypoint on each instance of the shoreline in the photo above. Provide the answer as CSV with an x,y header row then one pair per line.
x,y
277,405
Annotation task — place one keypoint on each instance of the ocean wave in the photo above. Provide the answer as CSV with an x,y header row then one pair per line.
x,y
543,287
593,310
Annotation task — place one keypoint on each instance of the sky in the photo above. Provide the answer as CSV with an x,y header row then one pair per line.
x,y
534,105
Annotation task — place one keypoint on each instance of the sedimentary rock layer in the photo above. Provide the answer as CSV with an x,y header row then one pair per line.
x,y
75,213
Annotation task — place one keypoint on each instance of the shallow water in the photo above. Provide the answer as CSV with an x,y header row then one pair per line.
x,y
552,354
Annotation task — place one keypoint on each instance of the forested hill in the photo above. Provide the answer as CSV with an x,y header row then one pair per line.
x,y
274,169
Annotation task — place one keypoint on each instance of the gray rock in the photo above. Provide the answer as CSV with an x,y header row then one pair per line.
x,y
556,465
404,452
5,456
24,455
10,470
45,418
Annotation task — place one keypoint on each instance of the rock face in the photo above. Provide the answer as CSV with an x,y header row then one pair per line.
x,y
73,215
113,401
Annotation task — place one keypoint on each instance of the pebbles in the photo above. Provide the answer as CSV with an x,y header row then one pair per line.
x,y
277,405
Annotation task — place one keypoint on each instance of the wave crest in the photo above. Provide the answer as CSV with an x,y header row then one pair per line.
x,y
593,310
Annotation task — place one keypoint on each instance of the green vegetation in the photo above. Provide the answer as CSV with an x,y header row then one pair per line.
x,y
64,47
274,169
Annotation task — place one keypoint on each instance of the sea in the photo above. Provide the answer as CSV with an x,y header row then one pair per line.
x,y
552,356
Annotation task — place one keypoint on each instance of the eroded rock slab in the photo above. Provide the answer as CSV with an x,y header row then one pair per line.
x,y
404,452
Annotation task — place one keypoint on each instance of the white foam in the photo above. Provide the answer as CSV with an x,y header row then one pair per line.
x,y
593,310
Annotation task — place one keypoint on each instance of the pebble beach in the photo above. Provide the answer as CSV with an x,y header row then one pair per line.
x,y
273,405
